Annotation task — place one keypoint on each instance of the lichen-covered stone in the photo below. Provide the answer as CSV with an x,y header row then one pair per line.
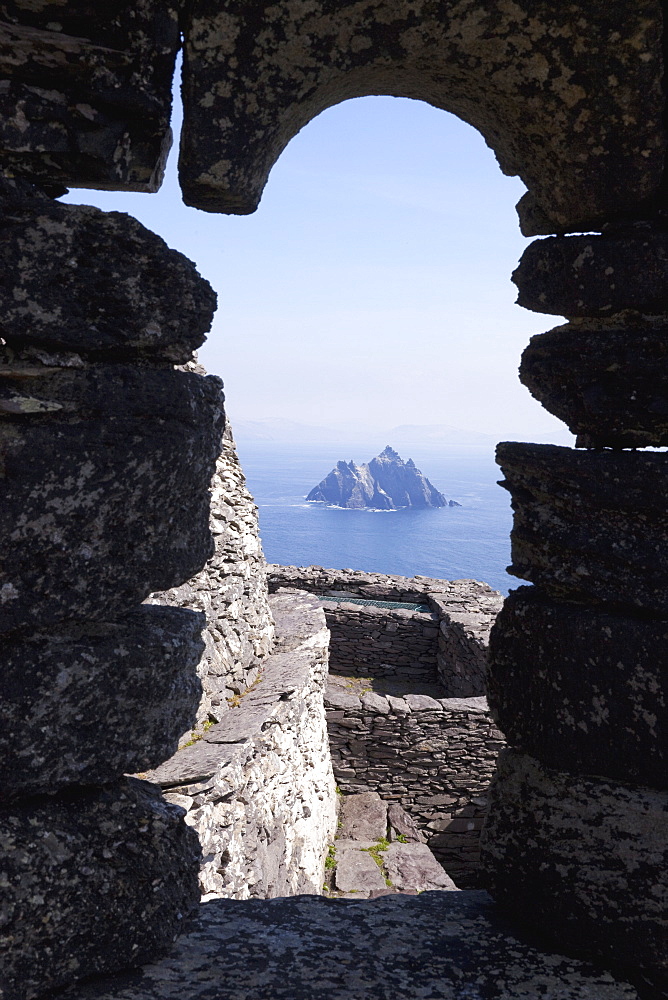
x,y
596,275
590,526
582,690
104,495
231,589
85,97
89,703
94,881
569,97
75,278
582,860
606,379
440,945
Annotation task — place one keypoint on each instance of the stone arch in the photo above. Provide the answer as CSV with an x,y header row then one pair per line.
x,y
568,96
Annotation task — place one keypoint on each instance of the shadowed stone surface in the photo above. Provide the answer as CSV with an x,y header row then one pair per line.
x,y
440,945
86,93
75,278
590,526
581,859
580,123
105,490
595,275
95,701
606,379
582,690
92,882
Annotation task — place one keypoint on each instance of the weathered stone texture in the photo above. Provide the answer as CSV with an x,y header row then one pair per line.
x,y
590,526
105,487
606,379
582,690
231,590
89,703
441,945
258,787
582,860
596,275
86,92
75,278
93,881
434,756
580,123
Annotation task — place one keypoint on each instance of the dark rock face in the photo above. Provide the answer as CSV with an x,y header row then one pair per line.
x,y
267,75
73,866
595,275
98,283
581,859
590,526
385,483
581,690
87,93
104,497
141,668
606,379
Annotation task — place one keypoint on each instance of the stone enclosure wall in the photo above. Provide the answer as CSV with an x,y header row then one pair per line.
x,y
451,637
108,447
393,729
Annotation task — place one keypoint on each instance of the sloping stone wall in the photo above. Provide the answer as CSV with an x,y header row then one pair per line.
x,y
231,590
258,787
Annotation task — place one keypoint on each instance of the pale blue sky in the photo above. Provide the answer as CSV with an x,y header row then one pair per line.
x,y
373,283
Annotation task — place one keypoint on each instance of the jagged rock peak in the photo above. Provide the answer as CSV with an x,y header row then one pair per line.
x,y
384,483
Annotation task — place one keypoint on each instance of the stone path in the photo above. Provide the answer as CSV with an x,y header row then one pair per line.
x,y
380,851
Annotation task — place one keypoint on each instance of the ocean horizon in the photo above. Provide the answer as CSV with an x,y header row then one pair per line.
x,y
471,541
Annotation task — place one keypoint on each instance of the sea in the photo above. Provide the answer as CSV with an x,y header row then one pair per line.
x,y
450,543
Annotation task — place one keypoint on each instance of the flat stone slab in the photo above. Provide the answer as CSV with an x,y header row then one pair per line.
x,y
356,870
363,817
413,866
436,946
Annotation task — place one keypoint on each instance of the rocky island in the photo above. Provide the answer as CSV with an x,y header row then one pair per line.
x,y
384,483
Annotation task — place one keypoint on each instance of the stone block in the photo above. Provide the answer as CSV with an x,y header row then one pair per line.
x,y
581,860
104,496
402,824
363,817
98,283
606,379
94,881
413,866
250,84
86,94
92,702
596,275
590,526
580,689
356,871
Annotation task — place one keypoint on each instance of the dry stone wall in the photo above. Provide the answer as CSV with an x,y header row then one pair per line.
x,y
435,756
258,787
453,636
231,590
